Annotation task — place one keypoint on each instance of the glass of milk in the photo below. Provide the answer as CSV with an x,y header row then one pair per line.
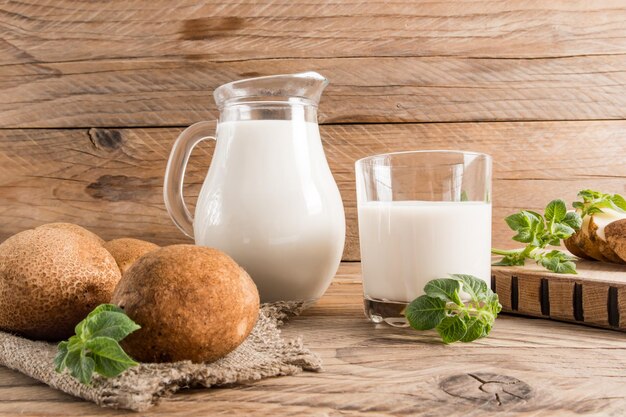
x,y
422,215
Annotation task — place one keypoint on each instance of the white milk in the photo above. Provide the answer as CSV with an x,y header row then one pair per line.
x,y
271,203
405,244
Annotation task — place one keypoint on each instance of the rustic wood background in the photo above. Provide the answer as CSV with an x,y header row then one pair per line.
x,y
92,95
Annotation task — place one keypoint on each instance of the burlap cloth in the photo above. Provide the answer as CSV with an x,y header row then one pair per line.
x,y
265,353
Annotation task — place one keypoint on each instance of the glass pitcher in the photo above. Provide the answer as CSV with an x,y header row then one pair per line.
x,y
269,199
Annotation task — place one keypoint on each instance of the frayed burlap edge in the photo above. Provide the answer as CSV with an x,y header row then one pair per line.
x,y
265,353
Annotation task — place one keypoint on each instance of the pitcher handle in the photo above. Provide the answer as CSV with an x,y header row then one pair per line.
x,y
175,174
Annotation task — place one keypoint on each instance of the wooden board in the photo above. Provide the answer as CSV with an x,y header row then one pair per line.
x,y
526,367
110,180
596,296
156,63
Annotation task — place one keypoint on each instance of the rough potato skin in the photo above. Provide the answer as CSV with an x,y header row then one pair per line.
x,y
572,242
192,303
127,250
603,247
76,229
615,233
51,278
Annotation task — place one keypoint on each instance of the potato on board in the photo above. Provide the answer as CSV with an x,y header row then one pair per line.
x,y
597,224
572,244
615,233
582,240
192,303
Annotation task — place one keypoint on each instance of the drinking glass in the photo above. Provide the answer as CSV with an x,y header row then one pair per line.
x,y
422,215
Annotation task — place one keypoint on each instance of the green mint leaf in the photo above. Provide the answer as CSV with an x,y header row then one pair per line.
x,y
425,313
555,211
619,202
80,327
527,224
475,329
517,221
573,220
588,195
110,359
510,260
105,307
557,261
475,287
594,201
466,320
464,196
493,303
561,231
446,289
59,359
80,365
110,324
95,346
451,329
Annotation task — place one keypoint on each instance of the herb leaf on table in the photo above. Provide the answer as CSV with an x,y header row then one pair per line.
x,y
539,231
461,308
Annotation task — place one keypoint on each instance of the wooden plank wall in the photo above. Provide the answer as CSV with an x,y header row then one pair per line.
x,y
92,95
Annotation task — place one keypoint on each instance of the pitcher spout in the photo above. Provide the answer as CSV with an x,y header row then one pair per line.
x,y
304,86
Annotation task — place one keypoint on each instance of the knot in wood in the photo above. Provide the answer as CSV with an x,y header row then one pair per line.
x,y
484,387
108,139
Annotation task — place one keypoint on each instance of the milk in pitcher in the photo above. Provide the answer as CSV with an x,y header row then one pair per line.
x,y
270,202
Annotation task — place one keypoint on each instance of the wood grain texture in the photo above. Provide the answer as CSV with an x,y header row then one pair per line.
x,y
64,30
155,63
583,298
110,180
381,371
175,91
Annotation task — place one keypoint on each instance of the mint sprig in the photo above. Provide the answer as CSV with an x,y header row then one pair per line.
x,y
456,319
95,347
594,201
539,231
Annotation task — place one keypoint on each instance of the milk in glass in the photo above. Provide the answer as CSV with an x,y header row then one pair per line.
x,y
405,244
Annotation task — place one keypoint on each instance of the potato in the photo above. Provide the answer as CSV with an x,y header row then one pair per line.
x,y
597,224
51,277
615,233
74,228
572,245
127,250
192,303
586,244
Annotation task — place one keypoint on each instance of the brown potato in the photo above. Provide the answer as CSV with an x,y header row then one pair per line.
x,y
600,244
51,277
192,303
615,233
127,250
572,245
586,244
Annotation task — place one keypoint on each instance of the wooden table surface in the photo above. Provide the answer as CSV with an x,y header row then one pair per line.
x,y
527,367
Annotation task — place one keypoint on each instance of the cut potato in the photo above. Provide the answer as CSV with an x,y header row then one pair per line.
x,y
615,233
572,245
590,241
597,224
586,244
